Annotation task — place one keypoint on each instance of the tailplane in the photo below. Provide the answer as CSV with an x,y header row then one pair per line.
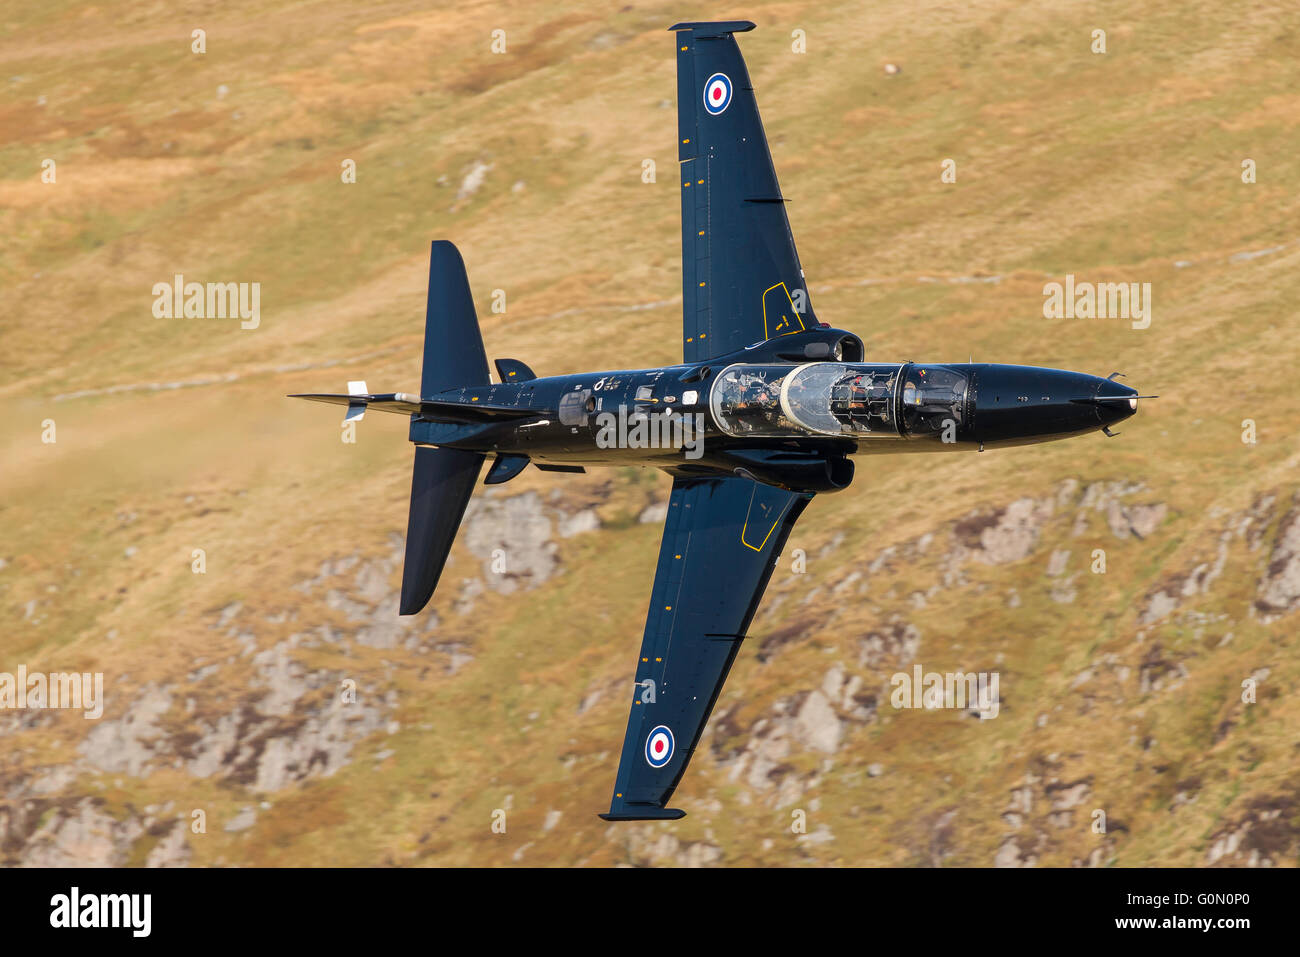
x,y
441,484
442,479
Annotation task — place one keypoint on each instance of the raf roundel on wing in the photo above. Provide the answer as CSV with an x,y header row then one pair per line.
x,y
659,746
717,93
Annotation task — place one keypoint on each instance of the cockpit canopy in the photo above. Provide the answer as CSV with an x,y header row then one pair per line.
x,y
856,401
826,398
934,400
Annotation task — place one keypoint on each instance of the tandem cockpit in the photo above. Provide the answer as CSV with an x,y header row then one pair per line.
x,y
858,401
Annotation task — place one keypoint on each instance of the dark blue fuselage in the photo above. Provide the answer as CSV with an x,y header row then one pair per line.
x,y
766,413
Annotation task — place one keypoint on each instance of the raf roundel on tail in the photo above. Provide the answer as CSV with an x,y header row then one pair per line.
x,y
717,93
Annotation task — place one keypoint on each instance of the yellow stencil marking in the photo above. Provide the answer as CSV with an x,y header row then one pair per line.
x,y
744,538
785,323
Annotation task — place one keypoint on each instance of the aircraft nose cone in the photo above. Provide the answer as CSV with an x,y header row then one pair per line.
x,y
1116,401
1020,404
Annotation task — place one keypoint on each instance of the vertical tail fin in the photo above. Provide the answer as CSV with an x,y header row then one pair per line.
x,y
442,479
453,347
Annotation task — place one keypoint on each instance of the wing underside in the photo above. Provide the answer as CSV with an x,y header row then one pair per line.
x,y
694,628
741,278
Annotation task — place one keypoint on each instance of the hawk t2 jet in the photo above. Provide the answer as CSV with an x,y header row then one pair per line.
x,y
767,409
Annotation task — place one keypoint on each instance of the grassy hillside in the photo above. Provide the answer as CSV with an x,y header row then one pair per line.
x,y
1121,691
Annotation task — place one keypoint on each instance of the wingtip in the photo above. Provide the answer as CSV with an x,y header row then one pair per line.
x,y
413,601
645,813
713,28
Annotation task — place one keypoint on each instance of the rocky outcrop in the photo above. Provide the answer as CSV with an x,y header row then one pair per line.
x,y
812,721
1265,834
133,742
512,538
1278,591
1044,807
1279,588
80,835
294,724
999,536
645,846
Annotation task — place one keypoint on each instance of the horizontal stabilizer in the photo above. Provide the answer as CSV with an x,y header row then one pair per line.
x,y
441,484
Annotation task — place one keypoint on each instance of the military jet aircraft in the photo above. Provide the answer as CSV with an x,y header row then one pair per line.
x,y
766,410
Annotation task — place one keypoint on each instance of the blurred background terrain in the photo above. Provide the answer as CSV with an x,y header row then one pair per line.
x,y
1121,691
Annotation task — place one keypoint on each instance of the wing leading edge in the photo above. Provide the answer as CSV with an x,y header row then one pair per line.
x,y
741,278
695,627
